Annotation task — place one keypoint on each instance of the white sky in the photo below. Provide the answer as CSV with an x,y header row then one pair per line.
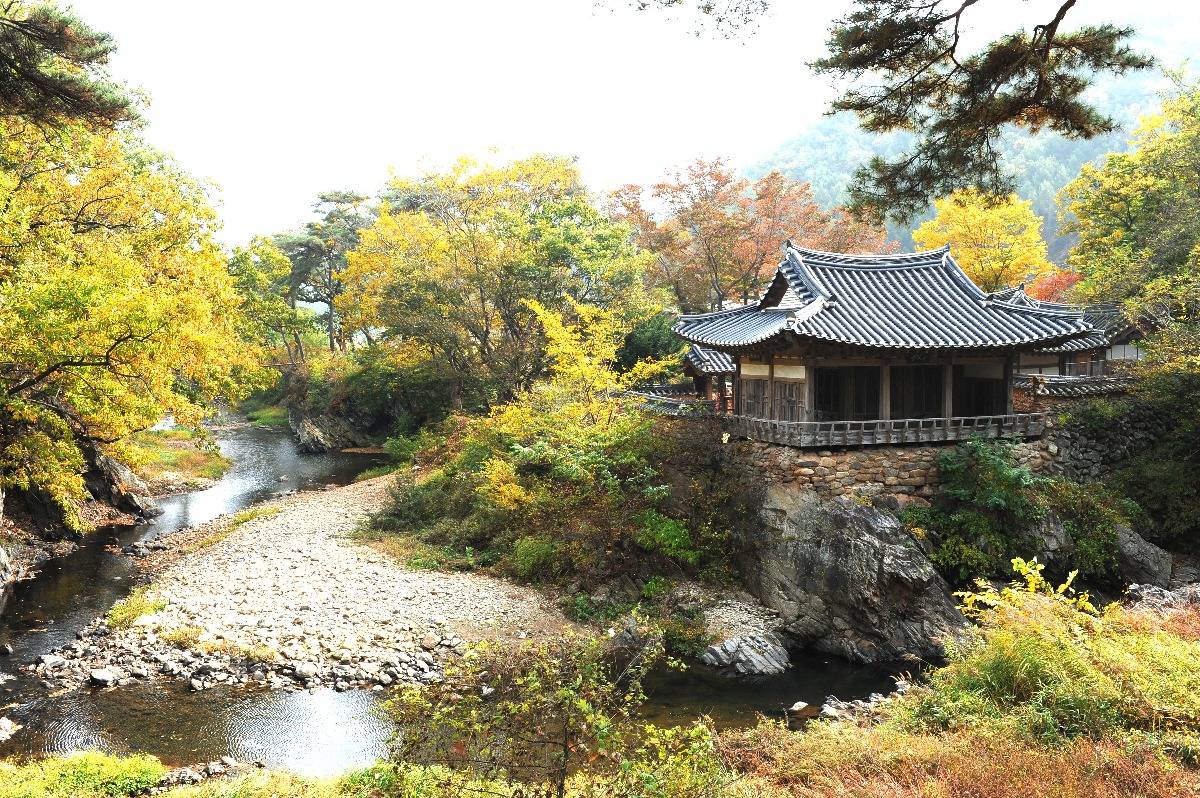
x,y
276,101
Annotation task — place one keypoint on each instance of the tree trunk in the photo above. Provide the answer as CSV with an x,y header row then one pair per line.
x,y
329,328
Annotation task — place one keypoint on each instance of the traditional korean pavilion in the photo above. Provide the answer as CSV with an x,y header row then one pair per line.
x,y
859,349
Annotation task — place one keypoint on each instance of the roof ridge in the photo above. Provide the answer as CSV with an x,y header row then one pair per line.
x,y
882,255
814,285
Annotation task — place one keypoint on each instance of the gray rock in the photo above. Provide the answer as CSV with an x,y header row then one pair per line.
x,y
846,579
1140,561
305,670
749,655
114,482
102,677
1055,548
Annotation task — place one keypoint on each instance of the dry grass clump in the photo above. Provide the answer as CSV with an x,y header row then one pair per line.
x,y
846,760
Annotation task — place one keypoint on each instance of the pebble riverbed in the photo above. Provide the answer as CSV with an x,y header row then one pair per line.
x,y
288,601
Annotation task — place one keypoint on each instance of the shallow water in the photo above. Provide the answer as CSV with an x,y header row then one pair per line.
x,y
175,724
321,732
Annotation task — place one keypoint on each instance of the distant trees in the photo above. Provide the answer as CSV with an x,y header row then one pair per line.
x,y
450,266
1138,220
318,254
997,243
263,277
718,236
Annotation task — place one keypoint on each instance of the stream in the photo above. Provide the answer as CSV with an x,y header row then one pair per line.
x,y
319,732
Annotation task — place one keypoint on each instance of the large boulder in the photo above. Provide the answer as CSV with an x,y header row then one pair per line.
x,y
324,433
113,482
846,579
1140,561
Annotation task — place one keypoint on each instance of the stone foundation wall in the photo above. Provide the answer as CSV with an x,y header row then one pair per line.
x,y
904,470
1087,447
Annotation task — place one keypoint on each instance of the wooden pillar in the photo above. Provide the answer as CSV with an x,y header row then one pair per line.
x,y
771,387
885,391
948,389
737,385
1008,385
810,392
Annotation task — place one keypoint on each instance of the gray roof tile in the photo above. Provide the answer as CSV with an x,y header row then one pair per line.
x,y
919,300
709,361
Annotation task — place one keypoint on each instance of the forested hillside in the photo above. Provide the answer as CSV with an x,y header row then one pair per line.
x,y
829,151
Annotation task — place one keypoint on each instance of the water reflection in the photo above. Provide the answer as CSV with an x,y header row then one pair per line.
x,y
46,612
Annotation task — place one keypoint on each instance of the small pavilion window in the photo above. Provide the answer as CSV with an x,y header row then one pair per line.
x,y
979,390
916,391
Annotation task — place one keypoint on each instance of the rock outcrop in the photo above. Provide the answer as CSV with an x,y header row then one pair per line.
x,y
1141,562
324,433
846,579
749,655
113,482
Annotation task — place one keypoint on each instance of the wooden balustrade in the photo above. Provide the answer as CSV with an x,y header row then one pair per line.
x,y
831,434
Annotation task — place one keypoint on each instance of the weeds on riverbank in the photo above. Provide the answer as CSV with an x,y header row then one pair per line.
x,y
80,775
220,530
268,416
158,454
128,610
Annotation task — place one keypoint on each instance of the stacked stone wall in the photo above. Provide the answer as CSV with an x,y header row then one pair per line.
x,y
1088,446
700,443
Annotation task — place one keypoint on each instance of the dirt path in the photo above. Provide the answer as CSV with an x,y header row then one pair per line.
x,y
287,599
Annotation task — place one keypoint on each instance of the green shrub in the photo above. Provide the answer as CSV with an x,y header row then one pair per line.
x,y
1091,514
984,505
86,774
656,587
534,557
667,536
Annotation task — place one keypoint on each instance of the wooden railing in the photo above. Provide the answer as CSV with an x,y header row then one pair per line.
x,y
830,434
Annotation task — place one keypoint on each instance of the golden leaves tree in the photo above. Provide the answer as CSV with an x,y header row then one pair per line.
x,y
997,242
115,305
452,264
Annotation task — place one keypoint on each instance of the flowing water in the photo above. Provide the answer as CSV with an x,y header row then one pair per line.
x,y
319,732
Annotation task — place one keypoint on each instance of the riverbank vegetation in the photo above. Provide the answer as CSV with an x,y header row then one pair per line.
x,y
173,458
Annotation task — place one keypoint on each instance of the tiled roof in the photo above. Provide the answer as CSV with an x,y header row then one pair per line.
x,y
920,300
1067,386
1107,320
709,361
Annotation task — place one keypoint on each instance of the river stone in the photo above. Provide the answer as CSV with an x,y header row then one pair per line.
x,y
305,670
102,677
846,579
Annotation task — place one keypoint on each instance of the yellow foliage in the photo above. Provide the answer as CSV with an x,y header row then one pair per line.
x,y
501,486
448,265
115,304
997,242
